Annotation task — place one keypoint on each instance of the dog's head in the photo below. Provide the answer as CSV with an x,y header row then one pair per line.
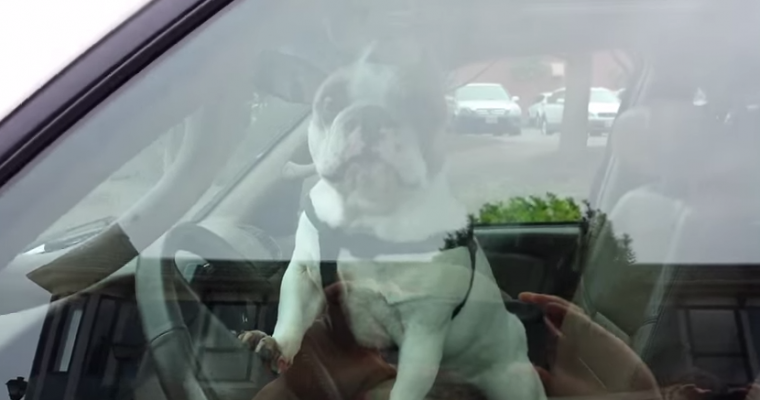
x,y
376,130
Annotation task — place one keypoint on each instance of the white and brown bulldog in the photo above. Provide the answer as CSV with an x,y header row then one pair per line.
x,y
381,211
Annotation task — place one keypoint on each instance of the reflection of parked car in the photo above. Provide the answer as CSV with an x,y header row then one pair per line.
x,y
487,107
602,110
535,111
451,104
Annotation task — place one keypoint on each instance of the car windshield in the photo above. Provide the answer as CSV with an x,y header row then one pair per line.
x,y
482,92
603,96
277,204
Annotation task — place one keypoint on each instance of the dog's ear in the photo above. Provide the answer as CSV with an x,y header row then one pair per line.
x,y
288,77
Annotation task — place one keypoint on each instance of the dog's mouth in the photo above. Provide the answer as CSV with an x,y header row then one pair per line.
x,y
366,160
371,138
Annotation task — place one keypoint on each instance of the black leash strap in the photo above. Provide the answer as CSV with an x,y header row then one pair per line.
x,y
472,248
331,240
328,249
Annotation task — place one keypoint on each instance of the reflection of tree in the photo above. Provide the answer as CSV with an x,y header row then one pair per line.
x,y
461,237
597,240
549,208
574,130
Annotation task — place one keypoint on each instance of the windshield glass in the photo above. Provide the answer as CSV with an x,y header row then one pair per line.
x,y
482,92
285,198
603,96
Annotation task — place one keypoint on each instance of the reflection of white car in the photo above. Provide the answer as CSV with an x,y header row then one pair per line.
x,y
486,107
602,109
535,111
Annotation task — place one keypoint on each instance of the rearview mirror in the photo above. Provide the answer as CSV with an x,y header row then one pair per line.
x,y
288,77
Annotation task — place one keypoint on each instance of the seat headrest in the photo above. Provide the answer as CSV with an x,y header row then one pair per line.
x,y
660,139
729,179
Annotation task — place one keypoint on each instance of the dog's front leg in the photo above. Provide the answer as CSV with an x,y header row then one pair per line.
x,y
301,302
420,356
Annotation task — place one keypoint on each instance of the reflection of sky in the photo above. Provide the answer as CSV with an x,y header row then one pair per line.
x,y
42,36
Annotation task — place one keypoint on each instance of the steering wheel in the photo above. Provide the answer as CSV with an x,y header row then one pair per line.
x,y
160,287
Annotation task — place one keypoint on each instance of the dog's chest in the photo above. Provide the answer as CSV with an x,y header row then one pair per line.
x,y
377,293
372,292
371,314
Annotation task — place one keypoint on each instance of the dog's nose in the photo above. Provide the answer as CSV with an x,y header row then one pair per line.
x,y
372,120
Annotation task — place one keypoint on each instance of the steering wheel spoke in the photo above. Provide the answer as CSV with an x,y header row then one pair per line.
x,y
195,362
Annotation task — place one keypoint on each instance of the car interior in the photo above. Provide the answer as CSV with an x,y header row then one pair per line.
x,y
157,296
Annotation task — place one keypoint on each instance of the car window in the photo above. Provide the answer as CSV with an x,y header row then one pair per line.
x,y
293,202
603,96
482,92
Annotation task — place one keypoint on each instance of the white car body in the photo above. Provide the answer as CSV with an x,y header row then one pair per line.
x,y
508,105
486,107
602,108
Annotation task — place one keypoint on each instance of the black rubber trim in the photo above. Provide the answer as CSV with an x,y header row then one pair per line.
x,y
96,74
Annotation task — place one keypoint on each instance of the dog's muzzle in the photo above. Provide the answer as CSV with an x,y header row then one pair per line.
x,y
371,123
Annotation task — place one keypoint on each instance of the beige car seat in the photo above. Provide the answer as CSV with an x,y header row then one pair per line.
x,y
662,141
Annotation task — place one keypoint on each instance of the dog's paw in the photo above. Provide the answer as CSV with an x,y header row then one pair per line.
x,y
266,348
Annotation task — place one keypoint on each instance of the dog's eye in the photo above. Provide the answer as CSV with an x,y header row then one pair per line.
x,y
332,99
331,106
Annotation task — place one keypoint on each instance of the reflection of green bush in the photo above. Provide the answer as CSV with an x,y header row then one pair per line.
x,y
530,209
597,234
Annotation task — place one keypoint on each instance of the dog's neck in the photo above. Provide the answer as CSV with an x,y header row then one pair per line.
x,y
431,211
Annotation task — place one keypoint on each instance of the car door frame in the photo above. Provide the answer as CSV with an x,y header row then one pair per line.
x,y
553,111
